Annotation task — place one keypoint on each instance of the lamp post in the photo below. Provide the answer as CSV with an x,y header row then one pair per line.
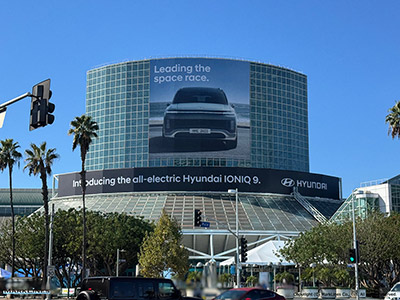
x,y
313,265
355,246
118,260
299,266
236,192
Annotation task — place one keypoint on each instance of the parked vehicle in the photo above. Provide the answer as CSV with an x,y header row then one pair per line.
x,y
394,293
128,288
201,113
249,294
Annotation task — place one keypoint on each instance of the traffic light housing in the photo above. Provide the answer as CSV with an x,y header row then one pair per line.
x,y
243,249
197,217
352,256
41,107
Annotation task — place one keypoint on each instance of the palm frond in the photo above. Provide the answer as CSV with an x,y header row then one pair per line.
x,y
393,119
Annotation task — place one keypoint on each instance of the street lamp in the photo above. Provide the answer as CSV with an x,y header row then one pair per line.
x,y
50,267
236,192
355,246
118,260
313,265
299,266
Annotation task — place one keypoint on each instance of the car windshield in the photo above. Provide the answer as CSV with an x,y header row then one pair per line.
x,y
196,95
396,288
231,295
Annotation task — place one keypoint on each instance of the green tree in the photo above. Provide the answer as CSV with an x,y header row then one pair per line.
x,y
193,277
379,240
39,161
108,232
9,156
67,246
327,246
112,231
162,250
251,281
393,119
323,244
84,130
285,278
29,236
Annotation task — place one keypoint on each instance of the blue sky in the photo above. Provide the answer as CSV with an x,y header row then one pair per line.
x,y
349,50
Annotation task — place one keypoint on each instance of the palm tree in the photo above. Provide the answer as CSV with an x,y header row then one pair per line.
x,y
393,118
83,129
9,156
39,161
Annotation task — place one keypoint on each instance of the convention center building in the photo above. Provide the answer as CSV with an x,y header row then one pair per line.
x,y
224,136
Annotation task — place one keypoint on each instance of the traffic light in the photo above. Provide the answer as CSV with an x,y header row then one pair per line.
x,y
197,217
243,249
352,256
41,107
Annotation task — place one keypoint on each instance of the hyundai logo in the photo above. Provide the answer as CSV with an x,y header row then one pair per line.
x,y
288,182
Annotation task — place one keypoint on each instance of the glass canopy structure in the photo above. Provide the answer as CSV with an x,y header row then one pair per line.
x,y
262,217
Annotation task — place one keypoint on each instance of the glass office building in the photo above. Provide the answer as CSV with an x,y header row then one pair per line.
x,y
177,134
119,98
378,195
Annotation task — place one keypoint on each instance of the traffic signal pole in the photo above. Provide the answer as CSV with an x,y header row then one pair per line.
x,y
238,265
3,107
41,107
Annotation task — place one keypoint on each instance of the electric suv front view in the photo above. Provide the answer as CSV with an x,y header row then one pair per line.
x,y
201,113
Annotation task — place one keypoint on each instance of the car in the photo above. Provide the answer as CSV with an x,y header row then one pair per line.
x,y
394,293
201,113
249,294
128,288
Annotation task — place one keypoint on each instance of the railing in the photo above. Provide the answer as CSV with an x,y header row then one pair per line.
x,y
308,206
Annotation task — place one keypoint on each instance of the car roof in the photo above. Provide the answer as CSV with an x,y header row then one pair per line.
x,y
126,277
199,88
247,289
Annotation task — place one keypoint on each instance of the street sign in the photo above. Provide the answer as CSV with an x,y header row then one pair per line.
x,y
205,224
232,270
51,271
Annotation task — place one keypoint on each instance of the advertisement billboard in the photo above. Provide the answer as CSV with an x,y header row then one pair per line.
x,y
200,108
200,179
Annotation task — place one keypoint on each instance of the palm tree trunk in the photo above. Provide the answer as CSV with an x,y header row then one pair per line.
x,y
45,194
13,224
83,185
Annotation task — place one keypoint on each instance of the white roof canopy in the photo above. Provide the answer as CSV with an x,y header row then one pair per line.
x,y
264,254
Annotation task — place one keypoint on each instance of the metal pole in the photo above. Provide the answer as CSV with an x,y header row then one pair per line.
x,y
313,265
117,272
237,239
313,277
49,262
5,104
299,279
355,246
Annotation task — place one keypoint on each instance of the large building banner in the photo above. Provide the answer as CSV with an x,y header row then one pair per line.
x,y
199,108
172,179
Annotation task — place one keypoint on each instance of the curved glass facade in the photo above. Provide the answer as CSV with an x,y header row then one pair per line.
x,y
119,99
